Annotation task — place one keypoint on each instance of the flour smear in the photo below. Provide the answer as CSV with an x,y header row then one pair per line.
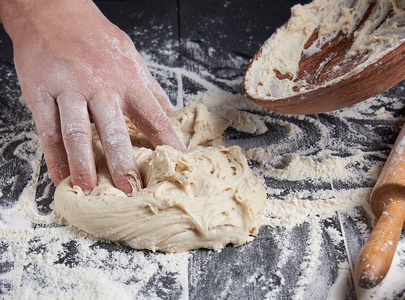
x,y
311,171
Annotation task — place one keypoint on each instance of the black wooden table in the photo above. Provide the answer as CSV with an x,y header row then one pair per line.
x,y
198,51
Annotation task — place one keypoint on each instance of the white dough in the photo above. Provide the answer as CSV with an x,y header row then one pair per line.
x,y
383,31
204,198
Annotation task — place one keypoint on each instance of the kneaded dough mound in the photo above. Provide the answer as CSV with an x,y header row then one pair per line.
x,y
204,198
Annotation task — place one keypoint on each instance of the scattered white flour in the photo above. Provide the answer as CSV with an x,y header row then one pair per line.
x,y
206,197
382,32
295,208
340,289
48,261
299,207
392,285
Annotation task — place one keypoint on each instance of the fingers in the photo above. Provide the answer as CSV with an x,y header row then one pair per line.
x,y
153,85
46,116
148,115
160,94
113,132
77,139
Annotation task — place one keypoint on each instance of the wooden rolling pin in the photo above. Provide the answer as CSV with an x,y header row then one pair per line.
x,y
387,202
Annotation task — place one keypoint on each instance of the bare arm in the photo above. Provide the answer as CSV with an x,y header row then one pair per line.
x,y
72,63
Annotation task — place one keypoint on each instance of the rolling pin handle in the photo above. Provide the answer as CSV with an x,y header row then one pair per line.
x,y
377,254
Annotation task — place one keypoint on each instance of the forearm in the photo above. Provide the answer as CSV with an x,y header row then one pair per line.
x,y
72,62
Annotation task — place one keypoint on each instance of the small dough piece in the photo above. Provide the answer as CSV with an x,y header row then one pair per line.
x,y
204,198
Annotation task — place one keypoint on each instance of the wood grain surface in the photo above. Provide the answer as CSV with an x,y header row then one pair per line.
x,y
215,41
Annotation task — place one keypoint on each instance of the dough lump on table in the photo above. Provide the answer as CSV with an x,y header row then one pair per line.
x,y
204,198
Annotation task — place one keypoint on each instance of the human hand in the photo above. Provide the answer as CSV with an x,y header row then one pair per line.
x,y
72,63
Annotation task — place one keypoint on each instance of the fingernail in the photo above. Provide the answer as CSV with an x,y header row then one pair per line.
x,y
134,182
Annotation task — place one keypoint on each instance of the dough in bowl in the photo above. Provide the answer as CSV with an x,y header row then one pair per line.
x,y
204,198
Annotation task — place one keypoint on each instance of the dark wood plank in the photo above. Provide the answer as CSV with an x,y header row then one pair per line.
x,y
216,34
274,266
152,25
16,130
213,40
